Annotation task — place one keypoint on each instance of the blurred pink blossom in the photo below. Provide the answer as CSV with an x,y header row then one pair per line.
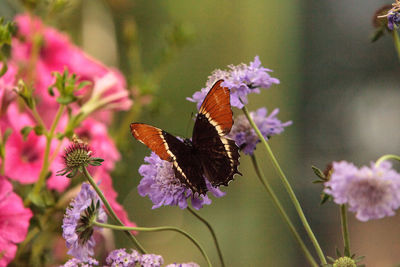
x,y
14,221
7,83
95,134
56,54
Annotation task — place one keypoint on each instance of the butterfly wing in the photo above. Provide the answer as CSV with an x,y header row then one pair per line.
x,y
186,166
218,154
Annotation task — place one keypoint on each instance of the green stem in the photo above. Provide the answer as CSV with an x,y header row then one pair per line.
x,y
386,157
46,158
110,210
282,211
38,119
214,236
396,41
157,229
288,188
345,230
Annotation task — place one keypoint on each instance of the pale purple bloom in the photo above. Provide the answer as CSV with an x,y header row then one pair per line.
x,y
189,264
164,189
151,260
371,192
246,137
241,80
74,262
120,257
78,247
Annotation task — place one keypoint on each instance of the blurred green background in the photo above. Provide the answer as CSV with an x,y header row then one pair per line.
x,y
340,91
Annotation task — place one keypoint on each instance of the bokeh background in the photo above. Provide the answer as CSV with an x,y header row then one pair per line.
x,y
340,90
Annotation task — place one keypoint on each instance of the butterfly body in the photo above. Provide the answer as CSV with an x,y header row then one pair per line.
x,y
209,153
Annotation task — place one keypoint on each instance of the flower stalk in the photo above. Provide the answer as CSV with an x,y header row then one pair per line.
x,y
157,229
214,236
46,158
288,188
345,230
386,157
89,178
282,211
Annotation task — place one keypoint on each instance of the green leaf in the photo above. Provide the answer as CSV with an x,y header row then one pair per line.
x,y
318,172
6,134
25,131
66,99
324,198
378,34
4,69
330,258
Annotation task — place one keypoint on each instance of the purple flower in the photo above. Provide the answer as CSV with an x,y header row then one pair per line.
x,y
189,264
90,262
120,257
163,188
151,260
241,80
393,18
371,192
77,230
246,137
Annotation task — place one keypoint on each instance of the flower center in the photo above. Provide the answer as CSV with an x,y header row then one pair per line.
x,y
369,191
29,155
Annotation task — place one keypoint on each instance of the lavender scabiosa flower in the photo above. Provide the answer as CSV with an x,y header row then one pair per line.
x,y
189,264
241,80
371,192
74,262
164,189
246,137
77,223
151,260
120,257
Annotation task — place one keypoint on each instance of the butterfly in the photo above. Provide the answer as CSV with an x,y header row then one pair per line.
x,y
208,154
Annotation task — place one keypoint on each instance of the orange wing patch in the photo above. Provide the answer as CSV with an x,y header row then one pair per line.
x,y
153,138
217,108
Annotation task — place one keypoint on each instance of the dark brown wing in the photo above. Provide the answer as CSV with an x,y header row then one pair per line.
x,y
218,155
187,166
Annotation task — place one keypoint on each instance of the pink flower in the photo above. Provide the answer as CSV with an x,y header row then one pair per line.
x,y
103,179
95,134
56,54
109,93
23,158
14,221
7,83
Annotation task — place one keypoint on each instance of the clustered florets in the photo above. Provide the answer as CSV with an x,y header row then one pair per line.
x,y
77,156
241,80
164,189
246,137
371,192
77,227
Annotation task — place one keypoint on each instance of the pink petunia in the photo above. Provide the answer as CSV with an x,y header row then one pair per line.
x,y
7,83
14,221
95,134
56,54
